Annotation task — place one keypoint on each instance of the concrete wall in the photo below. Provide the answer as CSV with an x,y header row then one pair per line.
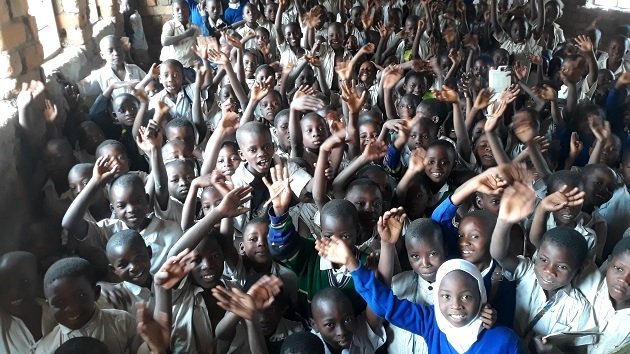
x,y
577,18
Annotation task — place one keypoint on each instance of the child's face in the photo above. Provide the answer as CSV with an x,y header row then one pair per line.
x,y
420,136
416,200
616,50
293,35
500,58
125,110
262,39
306,77
618,280
250,15
439,164
517,31
270,11
58,159
181,12
406,107
151,88
411,27
598,187
459,298
355,16
270,318
552,12
484,153
480,69
111,52
180,177
567,215
489,202
77,180
209,264
337,225
214,9
474,241
367,73
181,134
610,152
264,74
352,44
425,256
228,99
524,120
554,266
625,171
335,37
171,77
249,65
414,86
254,243
228,160
131,264
369,203
257,150
335,323
116,152
210,198
172,151
90,137
72,301
130,205
282,131
19,284
314,131
270,105
368,133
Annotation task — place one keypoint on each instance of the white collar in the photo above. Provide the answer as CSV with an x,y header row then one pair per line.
x,y
325,264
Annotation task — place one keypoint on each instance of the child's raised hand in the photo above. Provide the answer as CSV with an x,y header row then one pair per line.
x,y
576,145
105,168
344,70
336,251
259,91
383,30
206,180
390,225
601,132
517,203
350,96
584,44
175,269
150,137
334,141
156,334
160,109
50,112
119,298
455,56
279,188
417,159
217,57
391,76
201,50
307,103
374,151
563,198
264,290
367,49
623,80
367,17
547,93
499,109
232,203
447,94
542,143
520,71
313,60
303,90
483,99
201,7
229,122
471,41
492,182
29,92
488,316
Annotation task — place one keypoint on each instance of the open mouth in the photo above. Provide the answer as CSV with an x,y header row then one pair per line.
x,y
457,316
74,318
263,164
17,302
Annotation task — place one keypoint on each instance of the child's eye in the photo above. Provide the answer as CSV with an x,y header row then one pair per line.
x,y
446,297
619,269
434,254
562,267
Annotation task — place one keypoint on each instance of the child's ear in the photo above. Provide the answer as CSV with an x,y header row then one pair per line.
x,y
240,154
313,325
111,207
241,248
97,292
435,119
111,268
478,202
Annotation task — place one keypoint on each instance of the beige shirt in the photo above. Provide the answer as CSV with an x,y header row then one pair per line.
x,y
98,80
15,337
181,51
570,311
614,325
192,329
364,340
115,328
409,286
160,235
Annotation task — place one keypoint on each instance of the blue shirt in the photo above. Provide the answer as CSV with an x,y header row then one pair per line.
x,y
231,15
420,319
196,18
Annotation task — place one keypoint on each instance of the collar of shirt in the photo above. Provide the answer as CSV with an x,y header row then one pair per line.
x,y
137,290
243,174
88,327
487,270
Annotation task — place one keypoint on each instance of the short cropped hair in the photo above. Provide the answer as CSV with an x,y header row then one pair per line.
x,y
488,219
109,142
71,267
251,128
180,123
425,229
341,208
124,238
450,149
331,294
302,343
569,239
81,345
128,180
81,168
556,180
621,247
174,62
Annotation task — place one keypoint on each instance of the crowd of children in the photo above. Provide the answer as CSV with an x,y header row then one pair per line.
x,y
301,176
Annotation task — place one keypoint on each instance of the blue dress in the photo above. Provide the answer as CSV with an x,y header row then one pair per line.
x,y
420,319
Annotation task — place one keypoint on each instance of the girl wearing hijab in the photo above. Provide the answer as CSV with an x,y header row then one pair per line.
x,y
451,325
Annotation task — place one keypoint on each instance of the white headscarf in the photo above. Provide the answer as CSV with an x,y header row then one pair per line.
x,y
461,338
